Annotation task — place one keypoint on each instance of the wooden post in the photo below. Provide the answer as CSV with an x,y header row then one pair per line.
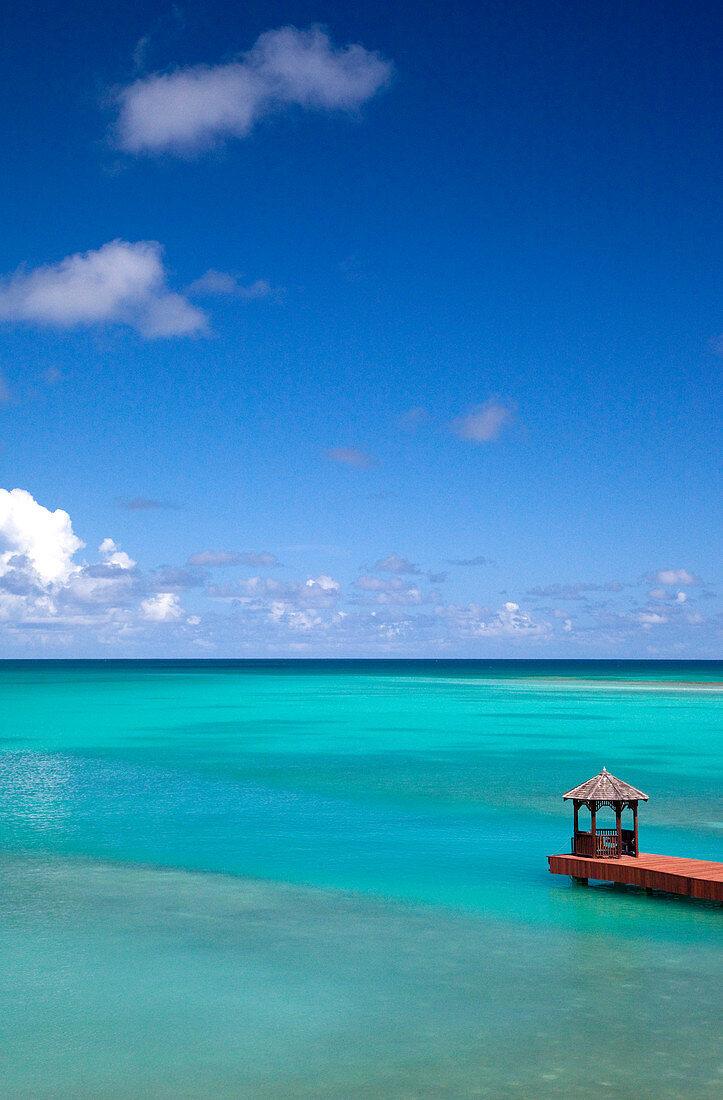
x,y
576,804
619,823
593,828
635,828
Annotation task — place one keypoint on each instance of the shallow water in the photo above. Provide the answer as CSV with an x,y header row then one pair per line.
x,y
314,879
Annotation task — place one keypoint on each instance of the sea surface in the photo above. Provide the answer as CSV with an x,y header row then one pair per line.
x,y
298,879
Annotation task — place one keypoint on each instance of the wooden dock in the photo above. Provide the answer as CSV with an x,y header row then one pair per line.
x,y
694,878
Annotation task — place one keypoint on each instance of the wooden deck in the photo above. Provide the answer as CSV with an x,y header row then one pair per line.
x,y
695,878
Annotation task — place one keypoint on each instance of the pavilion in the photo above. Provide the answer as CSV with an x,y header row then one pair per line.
x,y
613,855
605,790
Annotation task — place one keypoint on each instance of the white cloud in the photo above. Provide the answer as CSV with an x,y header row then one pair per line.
x,y
389,590
44,538
663,594
114,556
161,608
119,283
508,621
650,618
51,603
677,576
190,109
483,423
322,583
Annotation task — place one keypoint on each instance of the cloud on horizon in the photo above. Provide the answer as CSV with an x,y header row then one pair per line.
x,y
52,602
189,110
120,283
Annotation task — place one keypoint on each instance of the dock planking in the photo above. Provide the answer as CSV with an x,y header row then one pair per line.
x,y
695,878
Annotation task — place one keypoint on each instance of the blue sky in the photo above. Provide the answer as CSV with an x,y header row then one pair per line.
x,y
361,332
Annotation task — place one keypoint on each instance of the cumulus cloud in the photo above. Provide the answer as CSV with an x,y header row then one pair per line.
x,y
483,423
119,283
388,590
253,590
349,456
650,618
161,608
190,109
395,564
258,592
474,621
42,586
664,594
50,598
675,576
44,539
115,556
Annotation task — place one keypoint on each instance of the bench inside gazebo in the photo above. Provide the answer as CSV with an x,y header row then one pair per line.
x,y
605,843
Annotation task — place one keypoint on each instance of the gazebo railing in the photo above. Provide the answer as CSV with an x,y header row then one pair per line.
x,y
603,845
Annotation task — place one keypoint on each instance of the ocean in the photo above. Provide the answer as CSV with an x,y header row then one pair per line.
x,y
328,879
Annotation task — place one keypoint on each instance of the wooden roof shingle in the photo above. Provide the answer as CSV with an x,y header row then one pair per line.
x,y
606,788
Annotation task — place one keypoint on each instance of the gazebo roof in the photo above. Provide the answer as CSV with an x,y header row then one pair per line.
x,y
606,788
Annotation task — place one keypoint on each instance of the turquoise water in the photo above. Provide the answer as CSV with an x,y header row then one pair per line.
x,y
329,879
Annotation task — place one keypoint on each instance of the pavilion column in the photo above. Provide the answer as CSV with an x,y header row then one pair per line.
x,y
576,805
635,827
593,827
619,823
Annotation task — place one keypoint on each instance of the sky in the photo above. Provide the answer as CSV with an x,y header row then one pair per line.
x,y
361,330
